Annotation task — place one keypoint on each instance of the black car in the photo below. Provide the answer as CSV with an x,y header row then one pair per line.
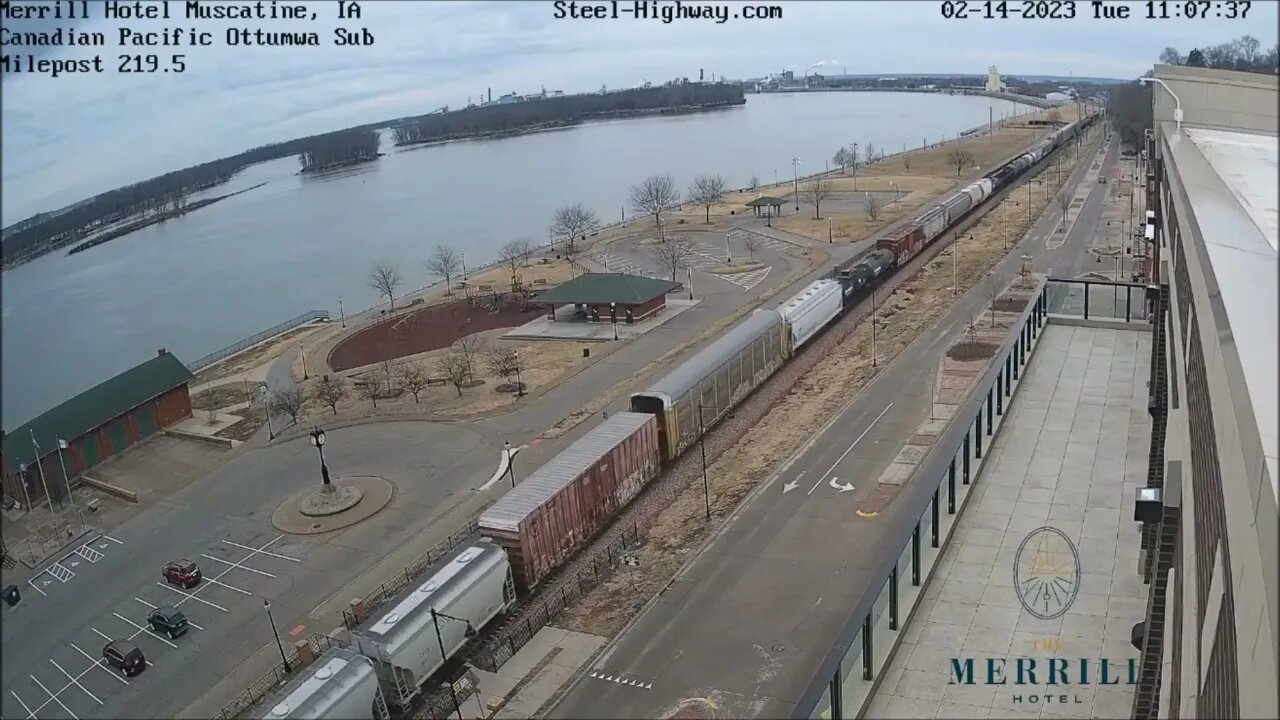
x,y
124,656
168,620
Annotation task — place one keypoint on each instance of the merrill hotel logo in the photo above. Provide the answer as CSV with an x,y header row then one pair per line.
x,y
1046,579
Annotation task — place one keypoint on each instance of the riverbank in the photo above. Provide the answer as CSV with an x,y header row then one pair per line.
x,y
146,222
339,165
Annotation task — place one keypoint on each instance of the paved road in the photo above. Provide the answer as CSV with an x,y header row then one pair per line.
x,y
743,627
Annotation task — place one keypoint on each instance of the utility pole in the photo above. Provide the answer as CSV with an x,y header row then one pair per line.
x,y
855,167
795,175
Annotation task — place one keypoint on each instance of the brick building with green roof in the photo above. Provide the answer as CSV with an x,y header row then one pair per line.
x,y
96,424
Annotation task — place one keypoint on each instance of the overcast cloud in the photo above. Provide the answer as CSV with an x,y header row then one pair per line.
x,y
68,138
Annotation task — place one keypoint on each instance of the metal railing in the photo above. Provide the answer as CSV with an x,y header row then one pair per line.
x,y
234,348
412,571
1098,299
276,678
850,671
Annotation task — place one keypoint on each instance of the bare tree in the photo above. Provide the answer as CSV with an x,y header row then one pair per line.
x,y
870,153
961,158
287,402
385,279
503,362
1064,202
842,159
469,347
814,193
755,182
707,190
906,163
455,368
873,207
445,263
1171,56
412,378
330,391
752,243
653,196
512,255
673,252
993,292
571,224
1053,116
371,390
526,248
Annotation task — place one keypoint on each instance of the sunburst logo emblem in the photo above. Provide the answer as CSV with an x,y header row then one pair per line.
x,y
1046,573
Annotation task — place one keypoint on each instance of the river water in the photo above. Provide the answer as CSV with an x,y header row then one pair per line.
x,y
203,281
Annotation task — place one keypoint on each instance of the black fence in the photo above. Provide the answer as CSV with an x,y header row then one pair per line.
x,y
559,593
256,338
276,678
401,580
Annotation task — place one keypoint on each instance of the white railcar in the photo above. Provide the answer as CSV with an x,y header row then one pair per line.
x,y
465,594
810,310
339,685
934,222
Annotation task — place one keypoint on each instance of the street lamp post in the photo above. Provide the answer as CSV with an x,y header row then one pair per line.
x,y
62,445
40,467
284,659
702,446
303,349
519,384
613,318
955,252
317,439
795,179
266,410
728,253
873,327
511,463
341,312
444,655
854,163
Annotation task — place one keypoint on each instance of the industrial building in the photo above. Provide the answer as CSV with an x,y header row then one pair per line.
x,y
92,426
1210,509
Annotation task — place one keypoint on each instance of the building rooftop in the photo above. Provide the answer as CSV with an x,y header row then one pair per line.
x,y
95,406
1230,179
603,288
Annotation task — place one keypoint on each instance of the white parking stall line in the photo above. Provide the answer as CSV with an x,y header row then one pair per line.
x,y
53,697
142,629
153,607
108,537
31,582
190,596
97,662
263,550
75,681
242,567
229,587
30,713
101,634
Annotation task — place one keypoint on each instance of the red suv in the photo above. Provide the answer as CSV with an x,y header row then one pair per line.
x,y
182,572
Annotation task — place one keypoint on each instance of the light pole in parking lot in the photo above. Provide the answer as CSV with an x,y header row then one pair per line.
x,y
266,605
511,465
62,445
795,179
702,446
613,318
444,655
317,439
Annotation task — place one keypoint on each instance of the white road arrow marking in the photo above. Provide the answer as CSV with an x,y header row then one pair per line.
x,y
75,563
842,487
850,448
790,486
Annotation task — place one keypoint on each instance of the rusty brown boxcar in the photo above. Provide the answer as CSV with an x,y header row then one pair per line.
x,y
563,504
905,243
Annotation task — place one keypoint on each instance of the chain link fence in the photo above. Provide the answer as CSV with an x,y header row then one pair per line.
x,y
234,348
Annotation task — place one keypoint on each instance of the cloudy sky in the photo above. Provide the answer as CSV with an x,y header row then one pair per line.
x,y
70,137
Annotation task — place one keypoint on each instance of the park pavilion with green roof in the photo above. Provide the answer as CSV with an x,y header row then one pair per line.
x,y
92,426
610,297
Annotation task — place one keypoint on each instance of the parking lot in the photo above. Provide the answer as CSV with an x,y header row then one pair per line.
x,y
74,681
706,254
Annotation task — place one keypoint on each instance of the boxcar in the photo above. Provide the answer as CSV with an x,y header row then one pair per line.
x,y
906,245
545,519
957,205
934,222
708,385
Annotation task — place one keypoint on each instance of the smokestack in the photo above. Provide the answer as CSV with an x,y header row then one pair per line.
x,y
490,94
700,75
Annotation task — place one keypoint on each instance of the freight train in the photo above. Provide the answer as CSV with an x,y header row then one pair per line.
x,y
539,524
